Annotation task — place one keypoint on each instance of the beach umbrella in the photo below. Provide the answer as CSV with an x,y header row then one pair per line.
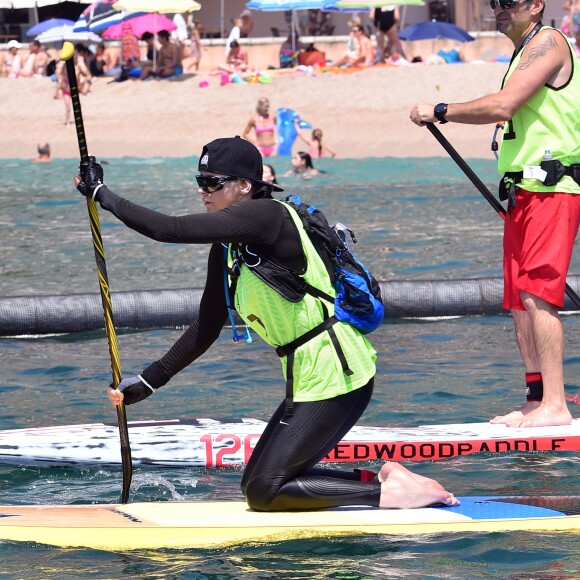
x,y
361,5
286,5
159,6
98,16
47,25
278,5
61,33
20,4
152,23
432,30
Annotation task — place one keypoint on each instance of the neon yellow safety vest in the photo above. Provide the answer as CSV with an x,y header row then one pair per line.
x,y
549,120
317,371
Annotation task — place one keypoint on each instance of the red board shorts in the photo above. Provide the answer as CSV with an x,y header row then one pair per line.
x,y
538,241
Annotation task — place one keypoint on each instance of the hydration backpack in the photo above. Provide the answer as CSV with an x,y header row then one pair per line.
x,y
358,294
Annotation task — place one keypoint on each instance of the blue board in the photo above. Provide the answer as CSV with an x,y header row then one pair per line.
x,y
286,129
485,508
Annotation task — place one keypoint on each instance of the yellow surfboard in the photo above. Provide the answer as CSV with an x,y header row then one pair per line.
x,y
206,524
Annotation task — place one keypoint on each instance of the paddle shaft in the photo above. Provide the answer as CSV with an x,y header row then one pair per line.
x,y
102,274
483,189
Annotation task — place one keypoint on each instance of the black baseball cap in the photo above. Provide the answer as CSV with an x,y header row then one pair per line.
x,y
234,157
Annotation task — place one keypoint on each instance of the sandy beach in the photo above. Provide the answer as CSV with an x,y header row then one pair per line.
x,y
362,114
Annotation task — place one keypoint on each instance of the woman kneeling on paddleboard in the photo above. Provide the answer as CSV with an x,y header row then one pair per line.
x,y
243,223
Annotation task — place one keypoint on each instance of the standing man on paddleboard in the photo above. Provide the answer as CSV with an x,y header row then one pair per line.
x,y
244,224
540,160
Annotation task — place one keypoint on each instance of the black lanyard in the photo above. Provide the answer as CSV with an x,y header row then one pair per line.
x,y
527,39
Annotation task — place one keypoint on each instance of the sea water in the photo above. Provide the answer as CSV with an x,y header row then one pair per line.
x,y
414,219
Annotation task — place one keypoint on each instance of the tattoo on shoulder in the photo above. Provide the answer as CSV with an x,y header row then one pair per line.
x,y
548,43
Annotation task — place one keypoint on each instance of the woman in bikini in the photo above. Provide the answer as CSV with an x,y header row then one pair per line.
x,y
264,125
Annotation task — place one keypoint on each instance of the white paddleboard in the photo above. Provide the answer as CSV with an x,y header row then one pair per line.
x,y
202,524
228,442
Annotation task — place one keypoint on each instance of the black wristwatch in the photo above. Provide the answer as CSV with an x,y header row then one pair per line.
x,y
440,111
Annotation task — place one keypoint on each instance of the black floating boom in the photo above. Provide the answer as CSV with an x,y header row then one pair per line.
x,y
55,314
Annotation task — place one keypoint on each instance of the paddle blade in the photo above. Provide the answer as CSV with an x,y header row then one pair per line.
x,y
68,49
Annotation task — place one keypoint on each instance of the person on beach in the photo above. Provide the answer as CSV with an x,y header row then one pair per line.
x,y
575,24
386,20
181,33
302,166
130,51
12,64
83,57
566,25
352,43
237,60
290,49
263,124
149,39
168,61
315,142
195,47
234,35
540,101
63,88
323,401
247,23
362,55
102,62
36,62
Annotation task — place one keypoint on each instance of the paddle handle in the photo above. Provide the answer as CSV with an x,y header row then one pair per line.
x,y
67,54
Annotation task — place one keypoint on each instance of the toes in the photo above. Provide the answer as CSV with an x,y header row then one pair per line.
x,y
452,500
447,499
386,470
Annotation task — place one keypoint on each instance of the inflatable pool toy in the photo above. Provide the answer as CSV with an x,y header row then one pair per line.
x,y
286,129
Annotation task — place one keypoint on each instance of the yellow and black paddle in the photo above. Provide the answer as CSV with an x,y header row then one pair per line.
x,y
66,55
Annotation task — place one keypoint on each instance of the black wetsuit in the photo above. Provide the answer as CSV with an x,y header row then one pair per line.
x,y
280,474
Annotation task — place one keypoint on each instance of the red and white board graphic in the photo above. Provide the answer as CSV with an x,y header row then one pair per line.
x,y
230,442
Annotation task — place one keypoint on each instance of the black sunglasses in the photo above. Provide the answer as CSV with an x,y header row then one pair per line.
x,y
505,4
211,183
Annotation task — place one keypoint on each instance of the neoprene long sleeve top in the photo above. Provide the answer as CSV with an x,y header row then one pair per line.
x,y
263,223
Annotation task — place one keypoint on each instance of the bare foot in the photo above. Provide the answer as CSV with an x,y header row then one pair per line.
x,y
544,416
389,467
516,415
402,489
